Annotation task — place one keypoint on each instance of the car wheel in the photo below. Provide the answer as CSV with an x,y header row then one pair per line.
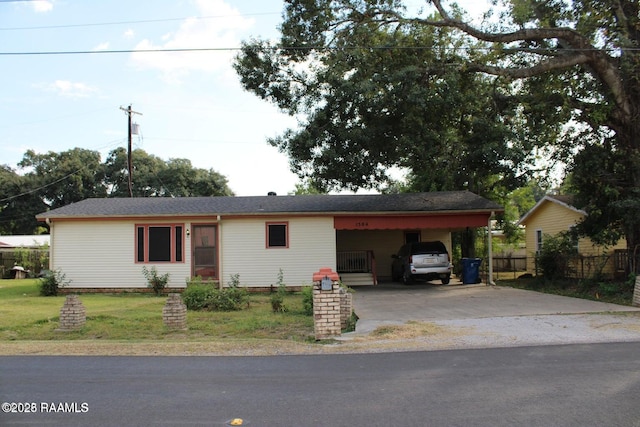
x,y
446,280
406,278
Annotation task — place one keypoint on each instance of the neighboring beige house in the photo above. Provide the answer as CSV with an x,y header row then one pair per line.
x,y
553,214
103,244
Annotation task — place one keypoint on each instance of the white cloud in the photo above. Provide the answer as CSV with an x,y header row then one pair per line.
x,y
222,32
42,5
102,46
68,89
129,34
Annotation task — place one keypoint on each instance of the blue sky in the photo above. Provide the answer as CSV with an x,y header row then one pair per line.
x,y
192,104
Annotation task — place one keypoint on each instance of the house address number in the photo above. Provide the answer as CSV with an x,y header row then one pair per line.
x,y
362,224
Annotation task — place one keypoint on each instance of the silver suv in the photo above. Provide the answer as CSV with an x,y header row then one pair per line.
x,y
421,260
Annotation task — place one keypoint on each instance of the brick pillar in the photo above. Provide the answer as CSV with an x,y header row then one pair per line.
x,y
72,314
326,304
636,293
174,312
346,308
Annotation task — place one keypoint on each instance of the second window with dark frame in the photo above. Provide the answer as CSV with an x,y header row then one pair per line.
x,y
159,243
277,235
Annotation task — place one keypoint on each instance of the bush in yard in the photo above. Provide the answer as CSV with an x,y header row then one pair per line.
x,y
201,295
555,255
277,299
351,322
197,295
51,283
233,297
229,299
155,281
307,300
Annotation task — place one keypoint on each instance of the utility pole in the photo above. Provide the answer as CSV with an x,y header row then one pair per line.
x,y
129,112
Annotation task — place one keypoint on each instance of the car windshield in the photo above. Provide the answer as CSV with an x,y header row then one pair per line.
x,y
429,248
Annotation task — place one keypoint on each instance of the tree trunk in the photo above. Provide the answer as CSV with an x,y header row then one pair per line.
x,y
468,243
629,137
633,249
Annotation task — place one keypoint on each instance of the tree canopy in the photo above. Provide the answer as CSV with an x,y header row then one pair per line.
x,y
378,85
51,180
378,96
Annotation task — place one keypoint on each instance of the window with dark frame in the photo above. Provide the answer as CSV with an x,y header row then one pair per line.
x,y
178,234
277,235
159,243
140,245
412,236
538,240
574,238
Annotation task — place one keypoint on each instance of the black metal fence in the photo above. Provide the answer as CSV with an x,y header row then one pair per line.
x,y
616,265
625,262
509,266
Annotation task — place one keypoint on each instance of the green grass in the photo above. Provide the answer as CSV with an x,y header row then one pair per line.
x,y
25,315
605,291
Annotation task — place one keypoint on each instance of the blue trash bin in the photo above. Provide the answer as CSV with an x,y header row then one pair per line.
x,y
471,270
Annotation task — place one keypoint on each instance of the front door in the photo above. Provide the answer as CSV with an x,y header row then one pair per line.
x,y
205,251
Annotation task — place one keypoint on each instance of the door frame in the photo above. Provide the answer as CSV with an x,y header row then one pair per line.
x,y
216,265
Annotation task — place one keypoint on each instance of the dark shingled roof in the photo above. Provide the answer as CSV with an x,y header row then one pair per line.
x,y
447,201
567,199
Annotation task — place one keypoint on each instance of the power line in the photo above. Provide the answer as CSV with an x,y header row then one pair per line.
x,y
327,48
142,21
85,52
43,186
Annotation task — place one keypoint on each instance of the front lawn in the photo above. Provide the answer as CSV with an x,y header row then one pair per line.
x,y
25,315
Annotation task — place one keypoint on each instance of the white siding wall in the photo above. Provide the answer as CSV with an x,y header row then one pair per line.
x,y
100,254
243,251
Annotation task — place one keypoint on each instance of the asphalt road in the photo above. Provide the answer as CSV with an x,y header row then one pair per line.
x,y
570,385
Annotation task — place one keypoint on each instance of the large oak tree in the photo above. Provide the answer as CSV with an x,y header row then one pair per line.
x,y
373,96
583,57
357,70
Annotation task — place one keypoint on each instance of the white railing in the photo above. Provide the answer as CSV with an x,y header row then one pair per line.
x,y
354,262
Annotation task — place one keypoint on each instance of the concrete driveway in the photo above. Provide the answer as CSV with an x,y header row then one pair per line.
x,y
505,314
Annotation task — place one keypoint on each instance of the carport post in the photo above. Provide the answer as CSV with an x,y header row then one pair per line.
x,y
490,250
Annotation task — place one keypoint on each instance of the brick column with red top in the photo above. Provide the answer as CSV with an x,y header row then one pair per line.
x,y
326,304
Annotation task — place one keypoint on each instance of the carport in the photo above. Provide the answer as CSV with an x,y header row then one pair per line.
x,y
365,242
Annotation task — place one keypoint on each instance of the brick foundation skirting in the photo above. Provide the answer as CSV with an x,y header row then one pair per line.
x,y
67,291
167,291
